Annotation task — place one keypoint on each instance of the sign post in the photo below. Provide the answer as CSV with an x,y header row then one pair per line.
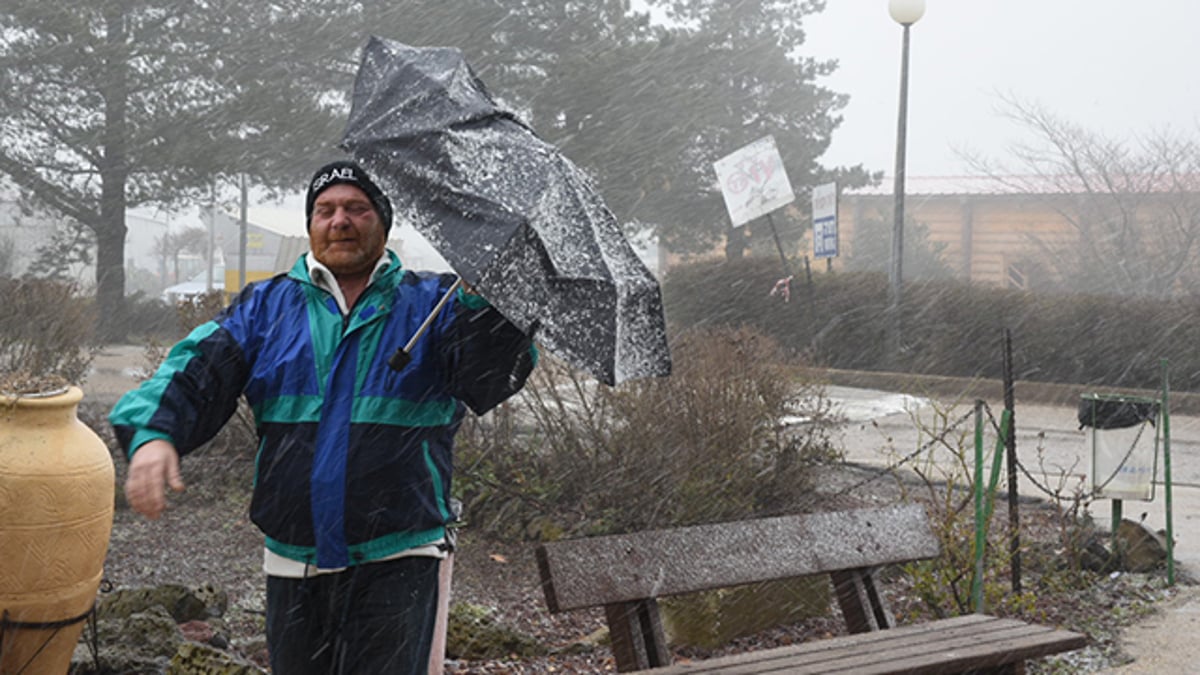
x,y
825,223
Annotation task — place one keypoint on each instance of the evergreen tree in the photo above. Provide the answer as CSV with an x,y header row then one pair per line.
x,y
114,104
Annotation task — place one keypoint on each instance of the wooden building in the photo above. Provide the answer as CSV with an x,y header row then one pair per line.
x,y
990,233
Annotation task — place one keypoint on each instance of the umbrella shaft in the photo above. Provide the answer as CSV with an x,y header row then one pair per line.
x,y
433,314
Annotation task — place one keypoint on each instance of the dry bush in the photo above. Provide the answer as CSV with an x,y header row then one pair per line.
x,y
702,445
46,335
239,435
195,311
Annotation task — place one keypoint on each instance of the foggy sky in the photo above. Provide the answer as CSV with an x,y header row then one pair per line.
x,y
1112,67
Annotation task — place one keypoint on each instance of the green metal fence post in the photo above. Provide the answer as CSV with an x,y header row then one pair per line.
x,y
980,524
997,461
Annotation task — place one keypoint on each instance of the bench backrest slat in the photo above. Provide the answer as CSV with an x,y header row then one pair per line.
x,y
595,571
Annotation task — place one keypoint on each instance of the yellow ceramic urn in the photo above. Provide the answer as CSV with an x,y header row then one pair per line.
x,y
56,512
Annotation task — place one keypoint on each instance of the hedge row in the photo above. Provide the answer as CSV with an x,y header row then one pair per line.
x,y
950,328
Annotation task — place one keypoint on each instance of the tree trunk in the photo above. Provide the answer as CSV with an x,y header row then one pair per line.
x,y
114,173
110,279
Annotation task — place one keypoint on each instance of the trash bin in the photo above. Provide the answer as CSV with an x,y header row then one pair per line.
x,y
1123,444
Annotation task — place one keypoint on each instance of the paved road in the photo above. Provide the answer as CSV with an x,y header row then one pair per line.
x,y
886,426
115,370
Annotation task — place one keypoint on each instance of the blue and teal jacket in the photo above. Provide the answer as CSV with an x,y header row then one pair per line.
x,y
354,458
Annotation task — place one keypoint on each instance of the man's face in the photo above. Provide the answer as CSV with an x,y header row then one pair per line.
x,y
346,235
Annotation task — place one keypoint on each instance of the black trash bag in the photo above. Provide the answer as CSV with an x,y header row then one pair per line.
x,y
1115,413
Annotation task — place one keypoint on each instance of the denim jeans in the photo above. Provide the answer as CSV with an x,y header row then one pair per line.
x,y
367,620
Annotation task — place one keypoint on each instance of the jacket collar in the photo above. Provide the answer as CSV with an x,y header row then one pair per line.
x,y
309,270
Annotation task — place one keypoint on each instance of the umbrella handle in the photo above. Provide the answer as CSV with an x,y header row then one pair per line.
x,y
403,356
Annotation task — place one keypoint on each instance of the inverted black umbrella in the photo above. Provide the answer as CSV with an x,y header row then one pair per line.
x,y
514,217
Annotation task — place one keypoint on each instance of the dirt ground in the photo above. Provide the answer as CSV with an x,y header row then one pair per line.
x,y
205,538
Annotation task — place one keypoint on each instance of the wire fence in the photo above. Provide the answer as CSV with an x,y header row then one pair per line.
x,y
940,438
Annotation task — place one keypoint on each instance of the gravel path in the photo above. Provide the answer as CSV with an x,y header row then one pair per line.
x,y
1163,643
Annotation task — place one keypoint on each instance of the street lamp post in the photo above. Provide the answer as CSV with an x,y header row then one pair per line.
x,y
905,13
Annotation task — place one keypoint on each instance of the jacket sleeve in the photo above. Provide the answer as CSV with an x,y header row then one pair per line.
x,y
488,358
190,397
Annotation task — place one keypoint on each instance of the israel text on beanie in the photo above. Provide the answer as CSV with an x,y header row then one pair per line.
x,y
350,173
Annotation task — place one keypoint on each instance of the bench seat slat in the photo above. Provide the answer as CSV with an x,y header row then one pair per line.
x,y
595,571
932,648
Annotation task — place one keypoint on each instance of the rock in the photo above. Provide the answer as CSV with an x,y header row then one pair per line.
x,y
1142,549
713,618
142,642
169,628
183,603
196,659
197,631
586,644
255,649
1096,557
474,634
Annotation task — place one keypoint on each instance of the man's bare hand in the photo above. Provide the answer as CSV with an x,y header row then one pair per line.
x,y
154,466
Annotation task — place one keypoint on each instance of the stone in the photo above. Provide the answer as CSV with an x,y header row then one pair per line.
x,y
141,642
473,633
169,628
184,603
197,631
193,658
1141,549
711,619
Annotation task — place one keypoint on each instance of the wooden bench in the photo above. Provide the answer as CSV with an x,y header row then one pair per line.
x,y
627,573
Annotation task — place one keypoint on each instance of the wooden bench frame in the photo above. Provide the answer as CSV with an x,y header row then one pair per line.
x,y
627,573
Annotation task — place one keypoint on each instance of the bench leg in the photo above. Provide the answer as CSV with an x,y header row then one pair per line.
x,y
636,631
862,605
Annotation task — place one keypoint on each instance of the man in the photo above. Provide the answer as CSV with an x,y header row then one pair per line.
x,y
352,484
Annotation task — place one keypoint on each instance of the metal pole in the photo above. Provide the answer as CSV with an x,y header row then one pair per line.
x,y
1118,513
896,276
787,269
1010,443
212,227
242,238
808,282
1166,432
980,525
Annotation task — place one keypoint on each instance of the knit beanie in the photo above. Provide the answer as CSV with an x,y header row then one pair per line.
x,y
344,171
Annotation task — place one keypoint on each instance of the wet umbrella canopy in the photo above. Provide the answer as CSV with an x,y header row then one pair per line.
x,y
514,217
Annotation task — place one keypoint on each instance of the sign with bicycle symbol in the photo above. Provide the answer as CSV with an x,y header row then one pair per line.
x,y
753,181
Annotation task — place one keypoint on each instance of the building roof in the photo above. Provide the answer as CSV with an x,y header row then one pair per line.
x,y
1028,185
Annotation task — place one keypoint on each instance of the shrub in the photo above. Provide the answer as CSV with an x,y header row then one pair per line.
x,y
151,318
703,445
239,435
950,327
47,334
195,311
